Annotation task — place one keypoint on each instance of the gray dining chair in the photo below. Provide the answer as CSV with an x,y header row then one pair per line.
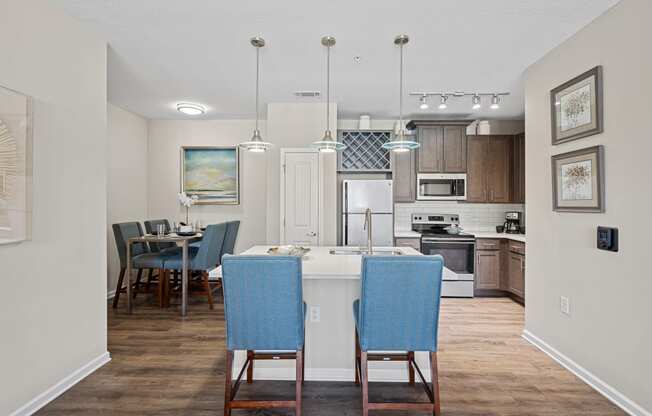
x,y
202,260
141,256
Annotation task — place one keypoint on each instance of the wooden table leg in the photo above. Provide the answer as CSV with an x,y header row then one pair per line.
x,y
130,304
184,279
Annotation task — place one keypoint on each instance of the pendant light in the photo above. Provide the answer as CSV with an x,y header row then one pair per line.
x,y
400,144
256,144
327,144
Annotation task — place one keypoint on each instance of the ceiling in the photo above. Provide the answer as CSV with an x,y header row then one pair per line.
x,y
166,51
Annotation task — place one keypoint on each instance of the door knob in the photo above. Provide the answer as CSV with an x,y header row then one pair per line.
x,y
312,234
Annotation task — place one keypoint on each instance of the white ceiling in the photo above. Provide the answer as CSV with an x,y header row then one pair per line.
x,y
166,51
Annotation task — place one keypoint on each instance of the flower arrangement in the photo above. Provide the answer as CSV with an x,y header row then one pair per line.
x,y
187,201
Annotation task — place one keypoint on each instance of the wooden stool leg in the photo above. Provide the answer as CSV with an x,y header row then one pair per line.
x,y
227,386
434,374
166,285
137,284
250,368
209,293
161,290
299,382
365,383
118,288
150,277
410,367
357,358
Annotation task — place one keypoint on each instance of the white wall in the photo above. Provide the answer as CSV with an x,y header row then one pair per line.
x,y
126,178
53,309
165,141
298,125
609,330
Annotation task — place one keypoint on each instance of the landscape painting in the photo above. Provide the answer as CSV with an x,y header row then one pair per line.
x,y
578,181
211,174
15,166
577,107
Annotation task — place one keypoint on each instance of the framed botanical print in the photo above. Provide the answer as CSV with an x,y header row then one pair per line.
x,y
577,108
211,174
578,181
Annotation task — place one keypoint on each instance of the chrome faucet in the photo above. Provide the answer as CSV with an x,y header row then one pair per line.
x,y
367,226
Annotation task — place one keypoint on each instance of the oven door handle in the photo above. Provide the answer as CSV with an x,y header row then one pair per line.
x,y
448,240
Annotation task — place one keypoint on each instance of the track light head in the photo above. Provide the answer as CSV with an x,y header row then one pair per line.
x,y
495,102
476,102
442,104
424,102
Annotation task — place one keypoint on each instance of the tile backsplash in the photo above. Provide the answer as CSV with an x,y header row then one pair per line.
x,y
477,217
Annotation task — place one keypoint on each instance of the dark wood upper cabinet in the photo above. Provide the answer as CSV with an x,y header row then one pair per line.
x,y
404,176
489,169
430,152
443,146
499,154
454,149
518,181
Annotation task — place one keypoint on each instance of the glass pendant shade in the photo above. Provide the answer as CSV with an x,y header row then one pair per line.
x,y
256,144
328,144
400,143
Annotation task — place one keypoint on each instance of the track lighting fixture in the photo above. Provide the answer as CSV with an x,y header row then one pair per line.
x,y
495,102
476,102
442,104
424,102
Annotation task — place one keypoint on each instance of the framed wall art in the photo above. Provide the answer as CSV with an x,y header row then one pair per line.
x,y
578,181
577,107
15,166
211,174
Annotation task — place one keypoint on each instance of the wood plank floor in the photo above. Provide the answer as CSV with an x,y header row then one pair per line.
x,y
165,365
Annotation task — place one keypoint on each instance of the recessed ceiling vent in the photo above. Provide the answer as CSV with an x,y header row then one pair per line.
x,y
307,93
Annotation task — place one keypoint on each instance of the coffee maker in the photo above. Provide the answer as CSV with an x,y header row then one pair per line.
x,y
513,221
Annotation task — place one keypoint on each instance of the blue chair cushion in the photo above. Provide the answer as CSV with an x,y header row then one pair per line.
x,y
399,302
148,261
263,303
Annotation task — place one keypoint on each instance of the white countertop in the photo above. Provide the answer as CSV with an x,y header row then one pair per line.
x,y
406,234
320,264
400,233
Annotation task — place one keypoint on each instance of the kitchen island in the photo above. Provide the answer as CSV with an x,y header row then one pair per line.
x,y
331,282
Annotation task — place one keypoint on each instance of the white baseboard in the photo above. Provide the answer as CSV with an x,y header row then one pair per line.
x,y
59,388
589,378
110,294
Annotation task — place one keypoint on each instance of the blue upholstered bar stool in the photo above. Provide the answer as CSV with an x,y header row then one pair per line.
x,y
264,310
398,312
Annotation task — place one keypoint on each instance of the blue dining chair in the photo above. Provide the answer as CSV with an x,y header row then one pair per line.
x,y
141,256
231,237
398,311
264,311
202,260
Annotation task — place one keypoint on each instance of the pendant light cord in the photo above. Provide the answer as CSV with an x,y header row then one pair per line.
x,y
257,81
400,98
328,88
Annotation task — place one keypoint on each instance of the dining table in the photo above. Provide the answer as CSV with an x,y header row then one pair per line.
x,y
182,240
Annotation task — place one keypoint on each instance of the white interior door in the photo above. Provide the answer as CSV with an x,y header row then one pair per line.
x,y
301,198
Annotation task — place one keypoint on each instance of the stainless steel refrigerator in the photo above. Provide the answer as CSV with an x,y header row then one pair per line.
x,y
357,196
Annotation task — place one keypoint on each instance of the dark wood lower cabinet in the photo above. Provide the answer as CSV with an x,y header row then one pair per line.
x,y
500,268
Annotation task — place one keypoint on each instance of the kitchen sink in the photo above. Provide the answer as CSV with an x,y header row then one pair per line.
x,y
359,252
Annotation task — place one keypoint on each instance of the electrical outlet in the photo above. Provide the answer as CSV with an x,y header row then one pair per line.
x,y
315,314
564,305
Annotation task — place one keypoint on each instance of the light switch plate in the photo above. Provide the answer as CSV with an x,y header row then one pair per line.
x,y
564,305
315,314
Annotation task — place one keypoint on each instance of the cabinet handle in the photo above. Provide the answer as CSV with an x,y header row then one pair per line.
x,y
523,265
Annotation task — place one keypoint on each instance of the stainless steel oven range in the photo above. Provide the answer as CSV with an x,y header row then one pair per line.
x,y
458,250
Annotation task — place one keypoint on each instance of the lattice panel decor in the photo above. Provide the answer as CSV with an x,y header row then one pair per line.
x,y
364,151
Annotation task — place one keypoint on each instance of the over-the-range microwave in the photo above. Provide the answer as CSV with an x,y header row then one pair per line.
x,y
441,186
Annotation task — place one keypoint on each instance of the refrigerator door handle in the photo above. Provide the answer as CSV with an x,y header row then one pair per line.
x,y
346,229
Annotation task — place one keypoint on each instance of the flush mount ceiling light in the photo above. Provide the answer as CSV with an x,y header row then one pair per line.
x,y
256,144
400,144
424,102
327,144
495,102
191,109
476,102
442,104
